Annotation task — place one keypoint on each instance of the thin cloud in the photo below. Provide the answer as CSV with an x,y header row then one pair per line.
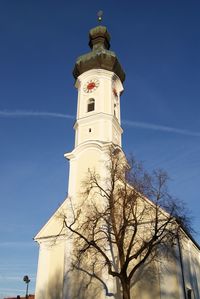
x,y
161,128
15,278
11,290
135,124
16,244
20,113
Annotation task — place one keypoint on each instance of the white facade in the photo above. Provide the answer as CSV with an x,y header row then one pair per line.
x,y
95,130
97,126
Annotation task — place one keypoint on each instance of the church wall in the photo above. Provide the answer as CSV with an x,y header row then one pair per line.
x,y
50,273
42,277
93,129
104,120
99,128
85,161
146,284
170,277
191,267
103,95
96,129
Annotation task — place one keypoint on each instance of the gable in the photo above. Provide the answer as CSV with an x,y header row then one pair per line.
x,y
54,225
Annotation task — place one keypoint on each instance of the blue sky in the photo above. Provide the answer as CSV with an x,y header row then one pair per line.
x,y
158,44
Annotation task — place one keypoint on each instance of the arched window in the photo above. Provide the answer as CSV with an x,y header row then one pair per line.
x,y
91,105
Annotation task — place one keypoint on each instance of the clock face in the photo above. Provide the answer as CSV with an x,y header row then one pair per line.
x,y
91,85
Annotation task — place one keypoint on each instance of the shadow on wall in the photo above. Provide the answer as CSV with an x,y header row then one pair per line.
x,y
76,286
146,284
79,285
195,284
170,274
54,290
191,272
159,278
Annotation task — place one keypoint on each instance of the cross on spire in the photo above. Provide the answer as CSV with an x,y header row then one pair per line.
x,y
100,15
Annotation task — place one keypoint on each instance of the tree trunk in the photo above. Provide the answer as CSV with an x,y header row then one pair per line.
x,y
126,289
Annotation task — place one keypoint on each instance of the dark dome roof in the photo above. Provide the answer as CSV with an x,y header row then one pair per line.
x,y
100,57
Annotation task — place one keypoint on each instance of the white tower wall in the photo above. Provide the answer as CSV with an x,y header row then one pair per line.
x,y
95,130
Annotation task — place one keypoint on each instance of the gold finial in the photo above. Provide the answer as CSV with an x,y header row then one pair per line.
x,y
100,15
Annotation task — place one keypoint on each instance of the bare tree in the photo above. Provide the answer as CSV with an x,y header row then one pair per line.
x,y
125,220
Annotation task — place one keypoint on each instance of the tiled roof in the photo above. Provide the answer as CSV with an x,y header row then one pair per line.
x,y
29,297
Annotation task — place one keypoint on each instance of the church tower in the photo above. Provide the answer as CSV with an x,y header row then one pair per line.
x,y
99,77
99,80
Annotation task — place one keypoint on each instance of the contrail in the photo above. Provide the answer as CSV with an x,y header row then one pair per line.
x,y
135,124
10,290
20,113
154,127
15,244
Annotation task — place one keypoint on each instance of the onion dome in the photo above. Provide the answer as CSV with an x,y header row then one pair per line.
x,y
100,56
